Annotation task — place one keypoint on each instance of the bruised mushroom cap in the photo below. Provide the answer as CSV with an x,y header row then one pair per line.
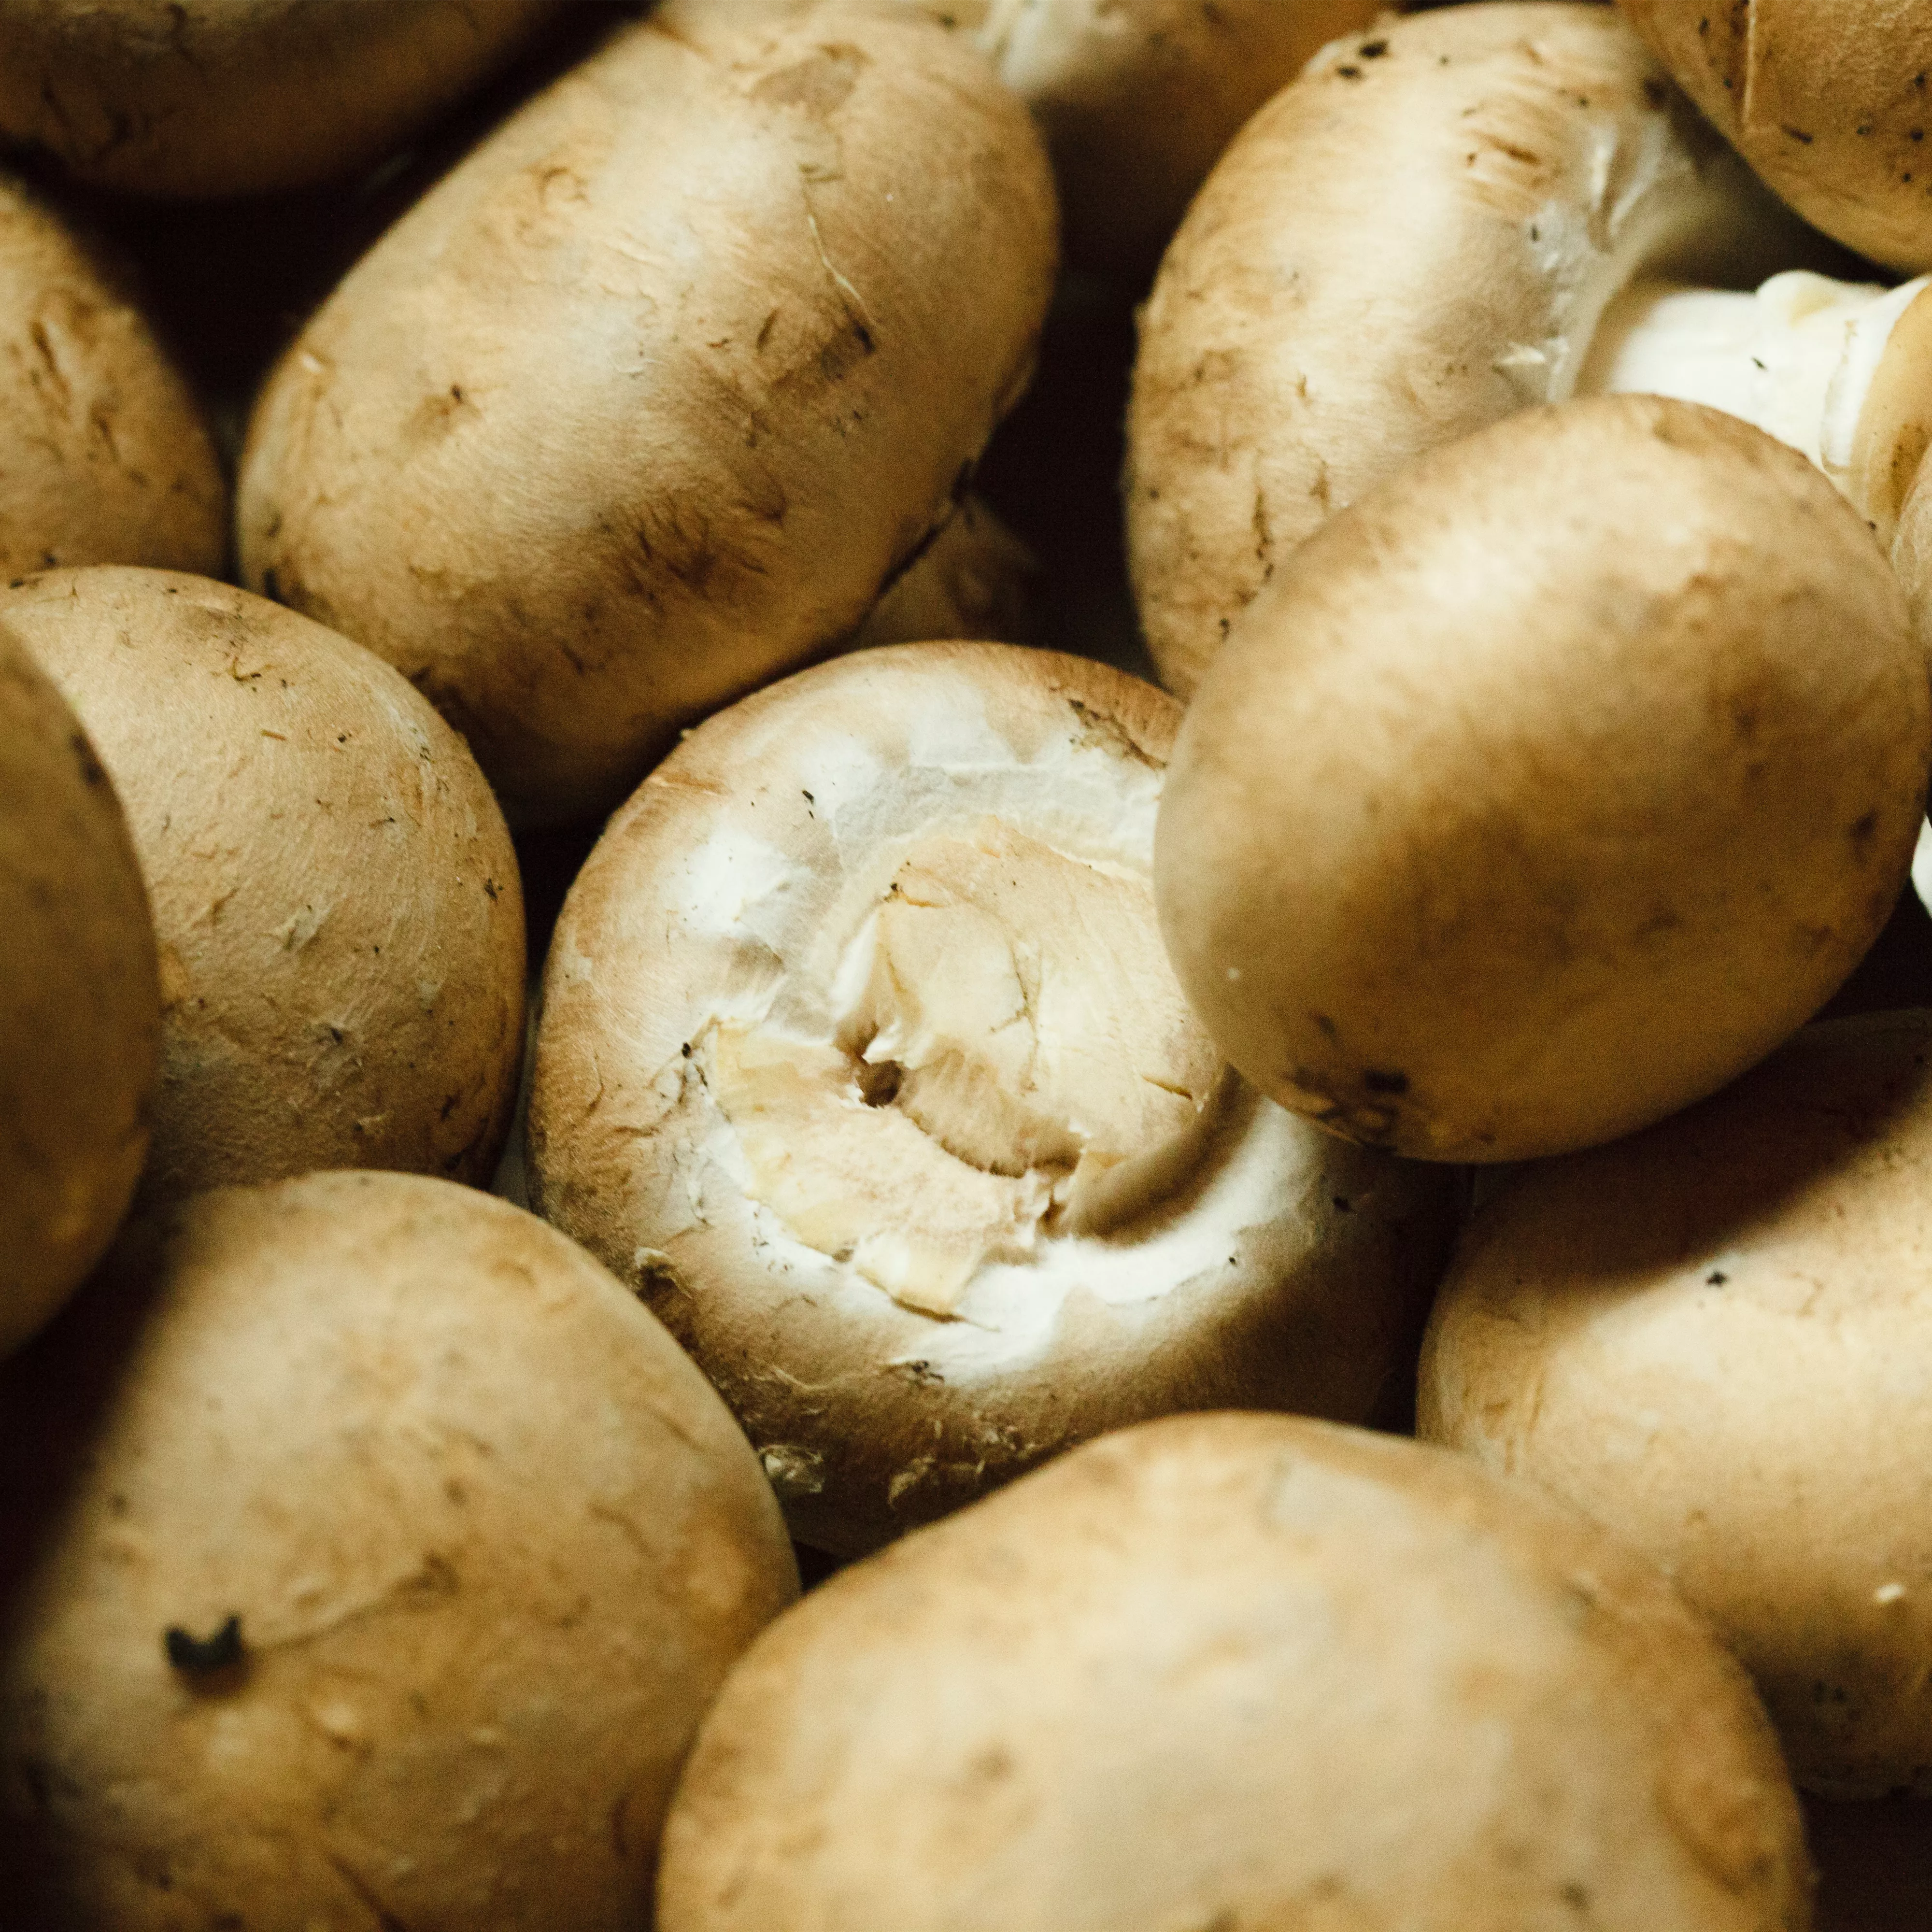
x,y
860,1060
79,1003
582,505
334,888
369,1556
1831,105
207,98
105,456
1479,181
1713,1337
1548,787
1240,1670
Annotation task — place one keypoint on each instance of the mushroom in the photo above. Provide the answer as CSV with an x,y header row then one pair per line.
x,y
860,1061
1832,110
105,454
1549,787
1239,1671
79,1002
368,1557
1415,238
648,397
334,890
975,580
213,97
1712,1338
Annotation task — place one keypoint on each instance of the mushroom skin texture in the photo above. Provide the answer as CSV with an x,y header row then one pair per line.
x,y
1831,109
1137,98
368,1556
1712,1337
197,98
645,401
975,580
860,1061
334,890
1240,1670
104,455
1548,787
80,1003
1482,180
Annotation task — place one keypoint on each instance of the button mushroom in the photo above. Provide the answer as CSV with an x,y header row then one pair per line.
x,y
860,1059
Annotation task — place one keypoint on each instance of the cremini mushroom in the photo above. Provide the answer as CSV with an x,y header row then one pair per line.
x,y
647,398
1415,238
1549,786
1832,108
975,580
104,455
334,888
368,1557
80,1004
1240,1671
860,1060
1713,1338
204,97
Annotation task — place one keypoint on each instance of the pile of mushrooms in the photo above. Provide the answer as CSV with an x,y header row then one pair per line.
x,y
1282,1258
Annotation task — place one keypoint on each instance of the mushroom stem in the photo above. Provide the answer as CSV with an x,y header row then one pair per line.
x,y
1801,357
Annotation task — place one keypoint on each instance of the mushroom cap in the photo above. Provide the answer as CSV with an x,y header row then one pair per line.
x,y
974,579
208,97
334,891
80,1002
643,402
1831,106
1240,1670
1139,98
1713,1337
1480,181
489,1542
1548,787
105,454
892,1345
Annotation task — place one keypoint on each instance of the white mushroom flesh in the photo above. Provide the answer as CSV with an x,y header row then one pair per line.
x,y
1797,357
1005,1034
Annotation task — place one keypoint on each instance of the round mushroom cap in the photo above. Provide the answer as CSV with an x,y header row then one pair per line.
x,y
1240,1670
1830,106
582,506
1480,181
1548,787
368,1556
104,456
1714,1337
860,1060
79,1003
334,890
209,97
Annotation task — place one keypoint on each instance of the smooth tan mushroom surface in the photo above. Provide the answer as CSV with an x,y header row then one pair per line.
x,y
80,1003
1240,1670
104,456
975,580
1832,107
368,1557
334,889
860,1060
1416,238
204,97
1549,787
646,400
1713,1338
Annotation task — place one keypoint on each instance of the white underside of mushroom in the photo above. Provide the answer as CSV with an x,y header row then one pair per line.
x,y
958,1073
1797,356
